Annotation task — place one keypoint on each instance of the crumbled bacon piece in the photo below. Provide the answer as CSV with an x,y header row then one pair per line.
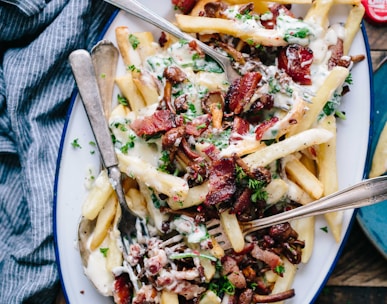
x,y
264,126
222,181
239,127
296,60
185,6
275,9
198,125
241,91
122,289
160,121
270,258
337,53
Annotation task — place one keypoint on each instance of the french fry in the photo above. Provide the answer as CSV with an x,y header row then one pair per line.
x,y
327,167
130,56
298,142
146,46
305,230
172,186
97,196
334,80
276,189
233,231
295,193
318,13
104,222
379,160
285,282
136,202
206,25
210,297
147,87
297,172
168,297
352,25
305,226
130,91
114,255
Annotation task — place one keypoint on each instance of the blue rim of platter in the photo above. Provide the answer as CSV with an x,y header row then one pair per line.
x,y
74,95
372,219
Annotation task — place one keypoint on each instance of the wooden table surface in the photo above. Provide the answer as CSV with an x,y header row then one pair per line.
x,y
360,275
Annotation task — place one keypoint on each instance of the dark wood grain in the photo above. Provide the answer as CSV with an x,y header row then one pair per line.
x,y
360,275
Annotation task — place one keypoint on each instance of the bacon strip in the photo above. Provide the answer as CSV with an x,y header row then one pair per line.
x,y
296,60
241,91
270,258
160,121
221,181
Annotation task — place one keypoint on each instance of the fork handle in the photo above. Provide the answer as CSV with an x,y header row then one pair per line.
x,y
364,193
84,74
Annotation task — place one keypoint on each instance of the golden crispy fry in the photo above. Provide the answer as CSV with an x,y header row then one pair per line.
x,y
97,196
174,187
379,160
104,222
233,231
298,173
147,87
210,297
352,25
206,25
285,282
168,297
327,167
276,190
305,230
114,255
130,56
289,145
130,91
136,202
318,13
334,80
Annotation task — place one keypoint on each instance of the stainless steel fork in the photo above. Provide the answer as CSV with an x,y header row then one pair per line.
x,y
365,193
84,74
135,8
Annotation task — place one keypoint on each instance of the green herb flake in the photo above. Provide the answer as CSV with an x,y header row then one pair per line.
x,y
104,251
325,229
133,40
122,100
280,269
75,144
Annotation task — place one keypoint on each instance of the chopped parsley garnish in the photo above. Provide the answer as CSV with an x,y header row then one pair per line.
x,y
273,86
129,144
122,100
222,286
280,269
133,68
349,79
103,75
104,251
257,186
301,33
325,229
134,41
75,144
165,162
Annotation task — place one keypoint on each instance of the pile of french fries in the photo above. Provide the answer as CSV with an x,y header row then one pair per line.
x,y
307,154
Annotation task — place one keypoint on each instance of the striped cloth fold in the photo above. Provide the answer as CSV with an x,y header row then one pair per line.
x,y
36,37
